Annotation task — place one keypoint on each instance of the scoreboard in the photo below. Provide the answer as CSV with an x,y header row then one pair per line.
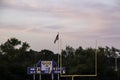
x,y
46,67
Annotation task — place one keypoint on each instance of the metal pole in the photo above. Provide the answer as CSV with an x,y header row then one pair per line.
x,y
116,69
33,76
96,58
52,76
34,73
72,77
58,53
40,76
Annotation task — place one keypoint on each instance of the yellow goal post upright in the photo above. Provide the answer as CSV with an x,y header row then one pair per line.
x,y
75,75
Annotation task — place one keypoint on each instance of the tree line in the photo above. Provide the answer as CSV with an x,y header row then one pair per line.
x,y
16,56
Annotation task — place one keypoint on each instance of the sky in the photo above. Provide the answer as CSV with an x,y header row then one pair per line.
x,y
79,22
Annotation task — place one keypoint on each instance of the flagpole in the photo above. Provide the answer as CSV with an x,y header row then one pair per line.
x,y
58,52
57,38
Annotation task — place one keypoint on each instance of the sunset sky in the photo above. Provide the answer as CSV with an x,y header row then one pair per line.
x,y
79,22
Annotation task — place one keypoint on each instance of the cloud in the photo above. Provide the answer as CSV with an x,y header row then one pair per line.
x,y
54,27
10,27
86,10
75,19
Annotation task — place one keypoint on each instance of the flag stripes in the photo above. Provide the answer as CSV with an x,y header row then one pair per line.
x,y
57,38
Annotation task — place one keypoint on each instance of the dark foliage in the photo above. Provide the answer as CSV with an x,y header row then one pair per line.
x,y
15,57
